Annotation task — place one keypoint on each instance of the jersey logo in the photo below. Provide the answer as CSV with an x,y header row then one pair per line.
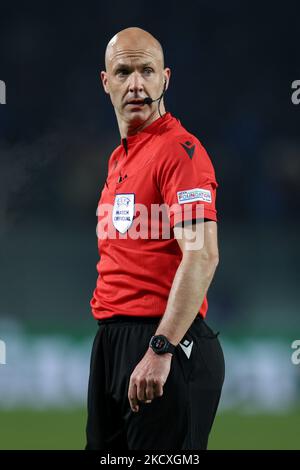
x,y
123,212
189,148
191,195
186,346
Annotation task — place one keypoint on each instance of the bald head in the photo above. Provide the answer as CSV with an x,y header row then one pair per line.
x,y
131,41
135,70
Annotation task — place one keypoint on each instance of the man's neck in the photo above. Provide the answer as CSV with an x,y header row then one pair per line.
x,y
128,129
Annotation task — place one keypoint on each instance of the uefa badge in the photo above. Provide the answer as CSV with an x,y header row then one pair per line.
x,y
123,212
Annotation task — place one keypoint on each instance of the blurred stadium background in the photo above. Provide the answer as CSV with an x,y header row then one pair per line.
x,y
232,68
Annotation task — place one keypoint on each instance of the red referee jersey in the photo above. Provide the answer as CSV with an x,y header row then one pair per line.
x,y
161,166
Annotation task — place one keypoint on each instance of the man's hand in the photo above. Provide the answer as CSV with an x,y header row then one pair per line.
x,y
148,378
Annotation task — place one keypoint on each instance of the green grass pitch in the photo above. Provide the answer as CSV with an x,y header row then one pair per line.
x,y
25,429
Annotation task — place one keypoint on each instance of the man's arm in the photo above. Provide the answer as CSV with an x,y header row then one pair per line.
x,y
200,257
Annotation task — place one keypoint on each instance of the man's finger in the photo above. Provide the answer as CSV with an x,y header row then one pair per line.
x,y
158,390
150,392
141,390
132,396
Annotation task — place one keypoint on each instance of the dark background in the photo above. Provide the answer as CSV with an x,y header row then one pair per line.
x,y
232,66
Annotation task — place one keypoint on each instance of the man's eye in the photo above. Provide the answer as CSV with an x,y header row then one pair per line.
x,y
148,70
122,72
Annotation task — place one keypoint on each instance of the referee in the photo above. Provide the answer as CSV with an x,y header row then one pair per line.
x,y
157,368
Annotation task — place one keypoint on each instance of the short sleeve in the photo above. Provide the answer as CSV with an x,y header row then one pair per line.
x,y
186,180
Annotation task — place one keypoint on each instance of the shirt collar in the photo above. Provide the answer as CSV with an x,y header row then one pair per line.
x,y
156,127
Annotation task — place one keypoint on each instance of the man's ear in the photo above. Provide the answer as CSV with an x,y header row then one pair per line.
x,y
167,75
104,80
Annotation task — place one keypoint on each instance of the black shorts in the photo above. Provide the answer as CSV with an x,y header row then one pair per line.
x,y
181,419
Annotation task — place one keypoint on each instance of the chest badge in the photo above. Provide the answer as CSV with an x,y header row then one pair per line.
x,y
123,211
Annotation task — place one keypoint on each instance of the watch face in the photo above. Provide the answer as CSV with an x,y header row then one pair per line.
x,y
159,342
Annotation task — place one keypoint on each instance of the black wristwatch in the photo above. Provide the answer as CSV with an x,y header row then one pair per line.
x,y
161,345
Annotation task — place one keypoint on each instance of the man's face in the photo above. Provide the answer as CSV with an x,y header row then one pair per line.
x,y
131,76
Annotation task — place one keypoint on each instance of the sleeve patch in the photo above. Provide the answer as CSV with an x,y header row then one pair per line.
x,y
191,195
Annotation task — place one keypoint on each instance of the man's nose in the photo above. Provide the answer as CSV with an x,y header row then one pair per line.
x,y
136,83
